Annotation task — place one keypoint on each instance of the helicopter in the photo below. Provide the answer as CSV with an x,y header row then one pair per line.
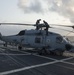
x,y
40,38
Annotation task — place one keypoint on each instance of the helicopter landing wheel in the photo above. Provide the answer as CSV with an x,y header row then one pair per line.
x,y
42,51
5,44
39,52
59,53
51,53
19,47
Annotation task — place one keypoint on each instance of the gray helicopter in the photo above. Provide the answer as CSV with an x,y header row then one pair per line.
x,y
40,38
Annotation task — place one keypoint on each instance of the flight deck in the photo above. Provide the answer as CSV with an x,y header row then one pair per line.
x,y
28,62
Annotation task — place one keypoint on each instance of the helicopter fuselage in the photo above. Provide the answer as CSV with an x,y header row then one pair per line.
x,y
38,39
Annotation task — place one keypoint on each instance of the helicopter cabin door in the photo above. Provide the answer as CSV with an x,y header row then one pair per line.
x,y
38,41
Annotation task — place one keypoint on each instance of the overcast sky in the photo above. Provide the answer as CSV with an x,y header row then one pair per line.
x,y
28,11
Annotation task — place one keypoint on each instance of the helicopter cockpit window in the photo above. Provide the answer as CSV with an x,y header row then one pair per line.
x,y
37,40
59,39
21,33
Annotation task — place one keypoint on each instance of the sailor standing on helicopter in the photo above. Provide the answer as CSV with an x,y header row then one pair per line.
x,y
47,26
37,24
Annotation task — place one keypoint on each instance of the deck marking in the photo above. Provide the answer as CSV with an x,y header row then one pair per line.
x,y
65,67
44,57
39,65
24,52
67,59
15,53
68,63
12,54
34,66
26,68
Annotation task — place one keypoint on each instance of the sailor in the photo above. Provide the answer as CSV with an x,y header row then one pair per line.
x,y
47,26
37,24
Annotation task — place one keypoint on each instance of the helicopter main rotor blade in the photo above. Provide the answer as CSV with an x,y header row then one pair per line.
x,y
26,24
63,29
16,24
63,25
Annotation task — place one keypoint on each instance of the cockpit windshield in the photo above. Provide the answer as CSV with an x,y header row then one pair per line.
x,y
59,39
21,32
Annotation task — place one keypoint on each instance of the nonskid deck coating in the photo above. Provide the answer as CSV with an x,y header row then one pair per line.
x,y
20,63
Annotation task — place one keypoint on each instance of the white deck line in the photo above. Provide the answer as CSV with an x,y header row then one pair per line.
x,y
12,54
34,66
24,52
39,65
15,50
26,68
44,57
65,67
68,63
67,59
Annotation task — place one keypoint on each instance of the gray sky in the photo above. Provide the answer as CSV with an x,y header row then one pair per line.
x,y
28,11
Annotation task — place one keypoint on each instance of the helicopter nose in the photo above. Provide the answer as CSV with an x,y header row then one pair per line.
x,y
68,47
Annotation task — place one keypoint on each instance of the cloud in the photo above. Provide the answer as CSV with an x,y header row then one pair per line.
x,y
62,7
31,6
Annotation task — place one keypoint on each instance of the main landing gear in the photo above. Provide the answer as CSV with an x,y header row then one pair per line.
x,y
46,52
43,51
